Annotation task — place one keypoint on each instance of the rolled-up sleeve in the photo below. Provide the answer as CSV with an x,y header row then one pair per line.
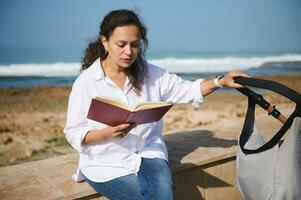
x,y
176,90
77,127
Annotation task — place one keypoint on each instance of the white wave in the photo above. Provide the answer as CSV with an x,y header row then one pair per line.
x,y
47,70
175,65
205,65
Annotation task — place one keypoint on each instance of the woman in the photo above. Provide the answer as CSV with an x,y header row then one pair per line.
x,y
127,161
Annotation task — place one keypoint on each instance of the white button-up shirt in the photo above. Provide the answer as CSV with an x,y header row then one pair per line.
x,y
116,157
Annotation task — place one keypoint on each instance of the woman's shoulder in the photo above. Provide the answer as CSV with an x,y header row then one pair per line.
x,y
155,70
86,75
79,81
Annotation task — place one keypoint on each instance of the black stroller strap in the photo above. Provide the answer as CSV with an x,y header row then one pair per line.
x,y
260,101
253,99
249,126
270,85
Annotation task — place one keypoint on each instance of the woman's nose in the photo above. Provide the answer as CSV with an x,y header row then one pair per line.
x,y
128,50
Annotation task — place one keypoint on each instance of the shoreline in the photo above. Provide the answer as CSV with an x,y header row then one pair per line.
x,y
32,119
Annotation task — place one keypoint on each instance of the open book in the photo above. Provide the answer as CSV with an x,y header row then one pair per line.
x,y
113,112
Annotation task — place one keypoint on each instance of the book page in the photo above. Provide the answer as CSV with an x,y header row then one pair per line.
x,y
149,105
114,102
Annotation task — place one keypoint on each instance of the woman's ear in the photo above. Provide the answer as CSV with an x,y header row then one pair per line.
x,y
104,42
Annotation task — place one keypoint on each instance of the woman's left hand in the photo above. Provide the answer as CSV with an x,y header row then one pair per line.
x,y
228,81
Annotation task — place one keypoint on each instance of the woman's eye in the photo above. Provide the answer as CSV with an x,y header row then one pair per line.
x,y
135,45
121,45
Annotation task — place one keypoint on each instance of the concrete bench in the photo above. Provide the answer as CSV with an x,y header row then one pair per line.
x,y
203,165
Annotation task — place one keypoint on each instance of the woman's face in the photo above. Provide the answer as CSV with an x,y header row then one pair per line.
x,y
123,46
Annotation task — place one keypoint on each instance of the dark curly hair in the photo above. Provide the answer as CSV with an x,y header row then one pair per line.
x,y
116,18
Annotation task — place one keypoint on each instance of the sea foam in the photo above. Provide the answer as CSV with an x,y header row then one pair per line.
x,y
172,64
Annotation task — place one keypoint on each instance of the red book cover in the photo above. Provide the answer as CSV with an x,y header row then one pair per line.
x,y
113,112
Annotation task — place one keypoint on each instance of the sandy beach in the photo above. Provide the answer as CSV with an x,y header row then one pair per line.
x,y
32,119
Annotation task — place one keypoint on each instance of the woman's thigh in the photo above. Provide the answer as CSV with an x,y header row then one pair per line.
x,y
156,180
122,188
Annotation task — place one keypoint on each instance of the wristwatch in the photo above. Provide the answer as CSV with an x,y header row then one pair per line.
x,y
216,80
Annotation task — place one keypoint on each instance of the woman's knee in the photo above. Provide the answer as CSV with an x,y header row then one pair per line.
x,y
159,170
157,176
126,187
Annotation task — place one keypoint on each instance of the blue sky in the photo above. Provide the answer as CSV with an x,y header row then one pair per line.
x,y
174,25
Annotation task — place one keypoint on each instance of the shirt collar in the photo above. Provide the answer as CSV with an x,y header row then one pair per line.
x,y
98,73
97,70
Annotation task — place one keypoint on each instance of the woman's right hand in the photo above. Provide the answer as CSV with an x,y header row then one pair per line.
x,y
118,131
108,132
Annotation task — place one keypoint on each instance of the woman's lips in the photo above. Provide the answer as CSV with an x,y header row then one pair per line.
x,y
126,60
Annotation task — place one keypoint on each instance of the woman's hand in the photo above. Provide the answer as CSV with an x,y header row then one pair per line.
x,y
228,81
209,86
108,132
118,131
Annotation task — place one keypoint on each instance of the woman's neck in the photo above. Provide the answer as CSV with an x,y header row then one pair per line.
x,y
110,69
115,73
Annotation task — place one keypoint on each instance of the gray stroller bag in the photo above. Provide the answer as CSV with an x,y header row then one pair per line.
x,y
269,170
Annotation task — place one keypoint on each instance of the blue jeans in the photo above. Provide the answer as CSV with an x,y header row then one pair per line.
x,y
154,181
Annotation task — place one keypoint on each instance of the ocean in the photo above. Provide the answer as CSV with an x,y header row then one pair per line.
x,y
28,71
